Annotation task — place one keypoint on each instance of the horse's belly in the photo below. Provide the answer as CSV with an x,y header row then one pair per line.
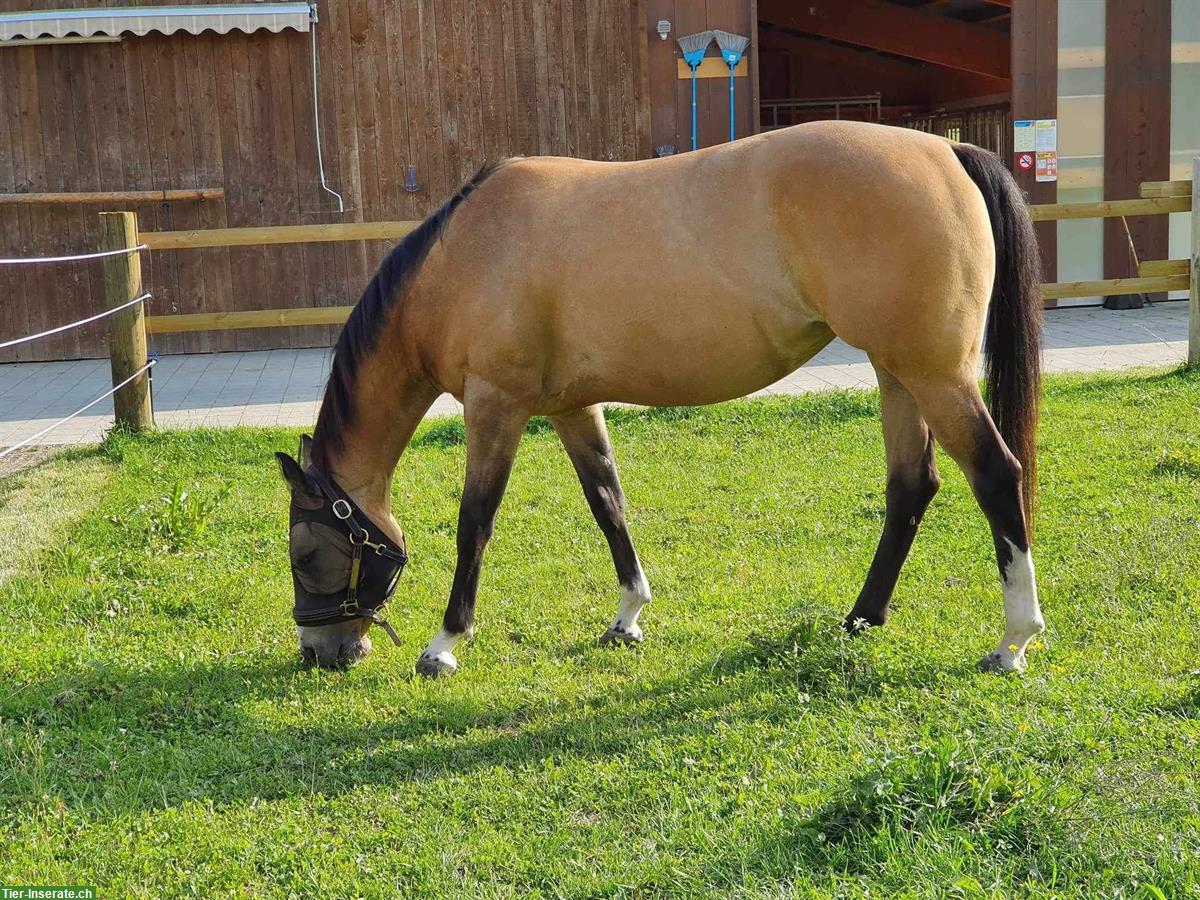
x,y
685,366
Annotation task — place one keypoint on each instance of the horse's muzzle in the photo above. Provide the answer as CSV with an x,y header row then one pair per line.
x,y
334,652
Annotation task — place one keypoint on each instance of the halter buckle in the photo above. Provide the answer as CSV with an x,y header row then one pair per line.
x,y
339,505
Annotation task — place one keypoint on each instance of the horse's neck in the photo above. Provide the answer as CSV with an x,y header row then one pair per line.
x,y
389,404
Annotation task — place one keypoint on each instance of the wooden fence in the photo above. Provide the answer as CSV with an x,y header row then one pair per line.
x,y
439,85
1157,197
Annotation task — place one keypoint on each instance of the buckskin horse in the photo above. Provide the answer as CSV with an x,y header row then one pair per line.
x,y
549,286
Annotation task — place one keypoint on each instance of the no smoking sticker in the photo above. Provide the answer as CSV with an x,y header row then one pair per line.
x,y
1025,161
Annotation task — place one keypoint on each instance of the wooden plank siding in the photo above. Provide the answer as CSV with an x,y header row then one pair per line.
x,y
1137,138
441,85
669,96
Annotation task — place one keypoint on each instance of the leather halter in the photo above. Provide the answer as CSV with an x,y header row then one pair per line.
x,y
373,574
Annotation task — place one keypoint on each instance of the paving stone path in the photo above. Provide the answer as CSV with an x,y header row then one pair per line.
x,y
283,387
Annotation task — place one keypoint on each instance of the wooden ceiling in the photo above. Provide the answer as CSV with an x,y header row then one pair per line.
x,y
993,13
918,51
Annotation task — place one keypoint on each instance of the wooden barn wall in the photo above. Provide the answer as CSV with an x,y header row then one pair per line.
x,y
1137,142
671,95
1035,96
442,85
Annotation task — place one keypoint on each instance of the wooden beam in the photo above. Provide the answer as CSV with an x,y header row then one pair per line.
x,y
712,67
1114,286
1035,96
365,231
276,234
251,318
1108,209
895,29
1165,189
755,81
1150,267
134,197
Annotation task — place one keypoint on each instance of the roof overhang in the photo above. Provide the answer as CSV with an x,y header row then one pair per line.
x,y
112,22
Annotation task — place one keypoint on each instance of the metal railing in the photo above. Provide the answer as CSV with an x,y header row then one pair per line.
x,y
795,111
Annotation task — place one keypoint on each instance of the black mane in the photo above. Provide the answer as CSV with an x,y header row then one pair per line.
x,y
360,334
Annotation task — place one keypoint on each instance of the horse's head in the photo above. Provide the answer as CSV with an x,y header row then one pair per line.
x,y
344,568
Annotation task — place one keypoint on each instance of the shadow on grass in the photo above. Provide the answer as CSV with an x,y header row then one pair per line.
x,y
900,808
114,741
451,431
814,409
15,468
1183,462
1092,385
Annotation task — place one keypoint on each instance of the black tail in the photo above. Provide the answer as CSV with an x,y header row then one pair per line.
x,y
1013,337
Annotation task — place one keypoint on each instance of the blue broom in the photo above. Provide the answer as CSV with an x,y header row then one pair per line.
x,y
693,47
732,47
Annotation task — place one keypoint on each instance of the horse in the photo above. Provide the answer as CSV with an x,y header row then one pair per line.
x,y
551,286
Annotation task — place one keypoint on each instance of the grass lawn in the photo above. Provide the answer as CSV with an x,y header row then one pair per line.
x,y
159,738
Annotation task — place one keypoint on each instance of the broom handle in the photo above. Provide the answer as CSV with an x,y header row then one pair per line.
x,y
732,130
694,107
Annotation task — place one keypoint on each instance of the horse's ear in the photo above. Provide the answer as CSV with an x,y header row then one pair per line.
x,y
305,450
294,475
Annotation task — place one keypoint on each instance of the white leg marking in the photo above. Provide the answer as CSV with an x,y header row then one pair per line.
x,y
1023,616
633,598
438,657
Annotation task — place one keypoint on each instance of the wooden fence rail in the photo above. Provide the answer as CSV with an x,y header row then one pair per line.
x,y
1146,285
1107,209
275,234
1148,268
109,198
1165,189
249,318
1157,198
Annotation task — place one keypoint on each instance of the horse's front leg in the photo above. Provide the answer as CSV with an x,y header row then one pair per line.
x,y
585,437
494,428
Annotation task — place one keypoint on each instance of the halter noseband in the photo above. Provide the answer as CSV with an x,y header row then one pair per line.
x,y
373,576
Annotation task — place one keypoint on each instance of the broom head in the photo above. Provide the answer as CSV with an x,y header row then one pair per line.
x,y
693,46
732,46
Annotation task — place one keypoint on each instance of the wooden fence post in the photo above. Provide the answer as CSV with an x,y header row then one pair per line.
x,y
127,330
1194,284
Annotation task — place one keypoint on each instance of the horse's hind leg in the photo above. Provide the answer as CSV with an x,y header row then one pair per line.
x,y
585,437
494,428
961,424
912,482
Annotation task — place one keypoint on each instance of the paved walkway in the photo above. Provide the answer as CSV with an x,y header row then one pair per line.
x,y
283,387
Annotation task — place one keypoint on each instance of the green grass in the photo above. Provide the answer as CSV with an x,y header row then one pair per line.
x,y
158,737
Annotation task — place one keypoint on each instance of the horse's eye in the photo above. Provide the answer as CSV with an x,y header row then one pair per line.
x,y
303,561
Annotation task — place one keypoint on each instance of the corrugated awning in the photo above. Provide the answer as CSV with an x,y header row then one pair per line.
x,y
140,20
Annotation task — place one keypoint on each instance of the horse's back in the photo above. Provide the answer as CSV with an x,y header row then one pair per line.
x,y
711,274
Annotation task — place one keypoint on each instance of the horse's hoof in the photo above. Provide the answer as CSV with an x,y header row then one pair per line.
x,y
856,625
1002,663
615,638
860,622
440,666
